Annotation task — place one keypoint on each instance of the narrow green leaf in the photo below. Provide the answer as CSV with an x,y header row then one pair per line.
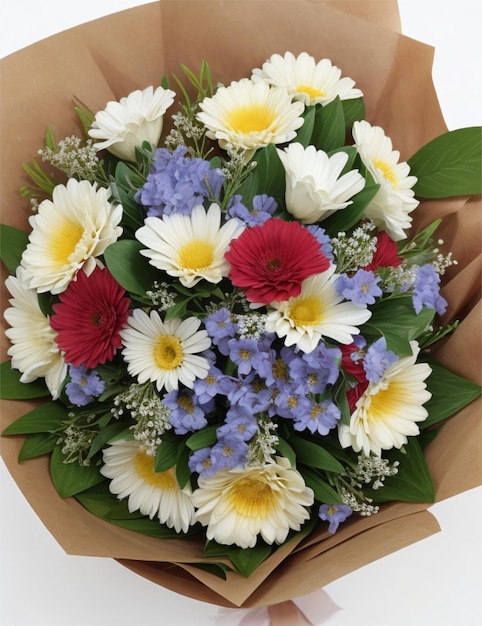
x,y
449,165
344,219
71,478
313,455
304,133
13,242
166,453
12,389
247,560
324,492
106,434
202,438
329,127
217,569
183,473
450,393
35,445
46,418
354,111
286,451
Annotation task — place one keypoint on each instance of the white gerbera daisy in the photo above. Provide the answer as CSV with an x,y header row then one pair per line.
x,y
318,311
314,187
390,208
152,493
126,124
33,351
239,504
388,411
164,352
307,80
68,233
190,247
248,116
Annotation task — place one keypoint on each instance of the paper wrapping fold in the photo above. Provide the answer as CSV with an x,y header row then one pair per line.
x,y
110,57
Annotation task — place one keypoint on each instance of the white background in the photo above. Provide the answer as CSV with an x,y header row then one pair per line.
x,y
436,582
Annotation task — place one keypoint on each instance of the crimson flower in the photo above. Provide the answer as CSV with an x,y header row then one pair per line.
x,y
386,253
89,317
270,261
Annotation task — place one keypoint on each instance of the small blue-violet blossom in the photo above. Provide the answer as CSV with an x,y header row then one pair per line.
x,y
320,418
335,514
176,183
426,290
84,387
377,360
186,413
264,208
361,288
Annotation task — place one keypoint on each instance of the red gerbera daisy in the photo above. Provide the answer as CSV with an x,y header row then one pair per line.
x,y
89,317
385,254
271,261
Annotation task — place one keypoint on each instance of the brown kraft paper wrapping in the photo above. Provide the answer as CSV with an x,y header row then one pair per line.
x,y
394,73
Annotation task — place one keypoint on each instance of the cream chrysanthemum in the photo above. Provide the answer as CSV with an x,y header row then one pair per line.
x,y
122,126
132,475
34,351
388,411
390,208
68,233
248,116
314,187
190,247
164,352
307,80
319,311
239,504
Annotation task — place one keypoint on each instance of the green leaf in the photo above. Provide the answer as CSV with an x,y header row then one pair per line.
x,y
13,242
449,165
37,444
202,438
329,129
247,560
285,450
313,455
71,478
324,492
413,482
107,433
130,269
304,134
166,453
344,219
216,569
354,111
183,473
450,393
46,418
396,320
12,389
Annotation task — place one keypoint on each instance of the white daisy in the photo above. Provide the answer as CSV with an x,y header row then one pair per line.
x,y
305,79
122,126
164,352
318,311
390,208
152,493
314,187
239,504
68,233
33,350
248,116
190,247
388,411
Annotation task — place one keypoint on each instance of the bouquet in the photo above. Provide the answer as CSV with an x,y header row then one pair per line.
x,y
226,312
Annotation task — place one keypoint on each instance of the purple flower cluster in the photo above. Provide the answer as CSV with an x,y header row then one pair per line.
x,y
267,382
177,183
377,360
84,386
264,208
426,290
361,288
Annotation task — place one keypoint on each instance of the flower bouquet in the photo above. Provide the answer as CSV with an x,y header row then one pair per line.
x,y
229,313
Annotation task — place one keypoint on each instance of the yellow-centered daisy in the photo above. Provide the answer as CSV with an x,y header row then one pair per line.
x,y
239,504
388,411
190,247
166,353
319,311
133,476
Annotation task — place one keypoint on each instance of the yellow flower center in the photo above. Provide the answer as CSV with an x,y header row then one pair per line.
x,y
252,497
311,91
196,255
280,370
145,468
386,402
250,118
185,403
306,311
386,170
168,352
64,239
